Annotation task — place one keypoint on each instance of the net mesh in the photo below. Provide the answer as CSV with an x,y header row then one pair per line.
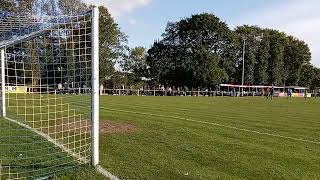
x,y
47,66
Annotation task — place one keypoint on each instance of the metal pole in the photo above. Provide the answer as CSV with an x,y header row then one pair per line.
x,y
243,55
3,84
95,87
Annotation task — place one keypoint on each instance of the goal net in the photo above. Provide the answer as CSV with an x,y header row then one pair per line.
x,y
49,94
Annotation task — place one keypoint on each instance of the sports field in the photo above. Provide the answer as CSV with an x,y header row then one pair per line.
x,y
207,138
212,138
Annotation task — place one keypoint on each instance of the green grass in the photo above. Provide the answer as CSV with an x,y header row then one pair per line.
x,y
200,138
173,139
28,153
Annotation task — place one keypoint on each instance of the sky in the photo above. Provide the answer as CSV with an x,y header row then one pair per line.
x,y
145,20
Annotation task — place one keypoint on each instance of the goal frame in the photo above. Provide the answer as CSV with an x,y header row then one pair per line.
x,y
94,86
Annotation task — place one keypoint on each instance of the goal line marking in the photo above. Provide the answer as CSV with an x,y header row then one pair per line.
x,y
216,124
106,173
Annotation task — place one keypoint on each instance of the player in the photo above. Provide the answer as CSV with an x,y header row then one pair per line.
x,y
60,88
268,93
101,89
289,93
305,94
272,92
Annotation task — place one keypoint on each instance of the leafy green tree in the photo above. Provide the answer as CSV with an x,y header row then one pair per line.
x,y
112,43
7,5
16,6
261,70
72,6
307,75
192,49
316,78
209,72
297,53
276,62
252,35
136,63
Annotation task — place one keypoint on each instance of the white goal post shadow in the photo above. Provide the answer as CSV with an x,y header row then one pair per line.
x,y
94,100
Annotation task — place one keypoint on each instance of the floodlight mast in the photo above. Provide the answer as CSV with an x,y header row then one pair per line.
x,y
243,56
3,85
95,87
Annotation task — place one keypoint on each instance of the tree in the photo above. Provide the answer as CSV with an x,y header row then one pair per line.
x,y
112,43
16,6
316,78
72,6
192,50
307,75
135,63
7,5
261,71
296,54
251,34
276,63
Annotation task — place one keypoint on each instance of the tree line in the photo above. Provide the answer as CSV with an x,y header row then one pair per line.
x,y
202,51
197,51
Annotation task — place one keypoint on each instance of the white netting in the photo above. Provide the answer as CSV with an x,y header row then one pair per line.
x,y
47,63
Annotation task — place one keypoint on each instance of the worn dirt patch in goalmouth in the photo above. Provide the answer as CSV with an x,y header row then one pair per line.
x,y
110,127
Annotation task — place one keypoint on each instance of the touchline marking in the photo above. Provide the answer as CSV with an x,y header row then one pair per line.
x,y
216,124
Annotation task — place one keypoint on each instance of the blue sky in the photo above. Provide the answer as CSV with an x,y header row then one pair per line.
x,y
145,20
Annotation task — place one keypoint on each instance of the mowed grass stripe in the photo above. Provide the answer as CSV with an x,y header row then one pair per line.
x,y
168,148
228,110
209,112
230,117
215,124
264,121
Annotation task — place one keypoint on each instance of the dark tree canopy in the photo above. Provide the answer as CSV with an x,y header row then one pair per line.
x,y
201,51
196,51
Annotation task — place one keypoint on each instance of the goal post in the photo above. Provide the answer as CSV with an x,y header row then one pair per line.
x,y
49,120
95,87
3,89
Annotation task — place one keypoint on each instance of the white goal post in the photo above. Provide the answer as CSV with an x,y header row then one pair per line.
x,y
49,120
95,88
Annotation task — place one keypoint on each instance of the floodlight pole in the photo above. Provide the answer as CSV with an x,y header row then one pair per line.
x,y
243,55
95,87
3,85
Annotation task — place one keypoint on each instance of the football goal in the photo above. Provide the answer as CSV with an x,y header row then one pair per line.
x,y
49,120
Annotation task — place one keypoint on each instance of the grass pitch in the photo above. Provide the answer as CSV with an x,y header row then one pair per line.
x,y
212,138
206,138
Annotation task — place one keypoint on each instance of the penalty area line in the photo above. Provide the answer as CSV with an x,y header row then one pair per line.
x,y
218,125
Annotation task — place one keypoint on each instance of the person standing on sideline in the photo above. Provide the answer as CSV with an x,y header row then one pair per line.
x,y
272,92
289,93
60,88
305,94
101,89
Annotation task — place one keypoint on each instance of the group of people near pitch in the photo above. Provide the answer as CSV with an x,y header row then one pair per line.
x,y
271,93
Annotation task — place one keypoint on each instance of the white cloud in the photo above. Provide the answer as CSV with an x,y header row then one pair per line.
x,y
296,17
132,21
119,7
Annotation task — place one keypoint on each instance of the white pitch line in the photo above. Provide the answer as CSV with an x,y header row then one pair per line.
x,y
100,169
83,160
216,124
106,173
